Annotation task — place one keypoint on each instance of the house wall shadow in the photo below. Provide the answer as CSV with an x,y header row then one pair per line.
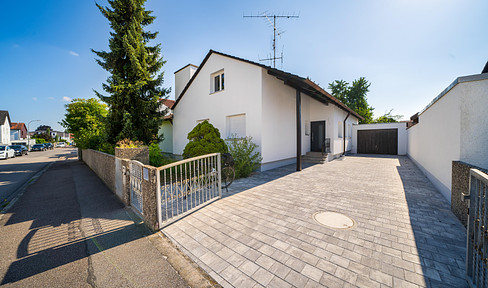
x,y
440,237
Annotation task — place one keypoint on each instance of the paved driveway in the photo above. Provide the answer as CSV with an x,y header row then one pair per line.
x,y
263,233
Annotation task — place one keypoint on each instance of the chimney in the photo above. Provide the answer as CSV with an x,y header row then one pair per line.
x,y
182,77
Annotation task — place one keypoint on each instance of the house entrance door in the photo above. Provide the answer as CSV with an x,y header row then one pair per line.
x,y
317,135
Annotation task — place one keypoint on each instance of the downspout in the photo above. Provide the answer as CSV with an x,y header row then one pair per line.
x,y
344,133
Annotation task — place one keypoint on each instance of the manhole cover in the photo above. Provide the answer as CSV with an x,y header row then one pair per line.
x,y
334,220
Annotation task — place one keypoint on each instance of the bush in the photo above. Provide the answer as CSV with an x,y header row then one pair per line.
x,y
128,143
246,158
204,139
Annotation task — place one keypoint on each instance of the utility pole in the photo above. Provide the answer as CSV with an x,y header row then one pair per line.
x,y
275,32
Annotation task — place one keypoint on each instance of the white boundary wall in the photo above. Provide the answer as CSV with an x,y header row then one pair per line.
x,y
402,134
453,127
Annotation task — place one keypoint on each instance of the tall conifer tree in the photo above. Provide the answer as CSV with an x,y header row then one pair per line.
x,y
134,86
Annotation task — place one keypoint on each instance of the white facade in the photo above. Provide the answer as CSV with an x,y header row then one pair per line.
x,y
402,134
5,131
257,104
453,127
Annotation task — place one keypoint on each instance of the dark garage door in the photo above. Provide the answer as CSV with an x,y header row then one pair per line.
x,y
378,141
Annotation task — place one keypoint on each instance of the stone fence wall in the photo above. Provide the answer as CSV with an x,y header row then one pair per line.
x,y
115,173
460,185
102,164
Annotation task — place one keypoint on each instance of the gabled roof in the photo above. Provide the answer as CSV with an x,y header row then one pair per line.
x,y
168,103
17,126
4,114
305,85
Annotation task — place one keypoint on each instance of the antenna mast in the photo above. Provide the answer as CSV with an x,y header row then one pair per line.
x,y
275,31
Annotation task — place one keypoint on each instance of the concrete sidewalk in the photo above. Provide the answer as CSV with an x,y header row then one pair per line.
x,y
69,230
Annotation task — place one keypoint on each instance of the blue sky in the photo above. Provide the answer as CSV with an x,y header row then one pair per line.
x,y
410,50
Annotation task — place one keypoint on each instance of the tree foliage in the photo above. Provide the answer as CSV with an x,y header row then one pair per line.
x,y
387,118
354,96
134,86
246,157
204,139
43,137
85,119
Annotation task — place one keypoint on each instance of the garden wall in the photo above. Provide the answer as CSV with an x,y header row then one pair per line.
x,y
115,173
102,164
460,185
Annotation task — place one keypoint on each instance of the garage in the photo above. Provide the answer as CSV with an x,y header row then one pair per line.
x,y
380,138
378,141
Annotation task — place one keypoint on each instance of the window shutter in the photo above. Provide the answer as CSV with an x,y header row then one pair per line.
x,y
236,126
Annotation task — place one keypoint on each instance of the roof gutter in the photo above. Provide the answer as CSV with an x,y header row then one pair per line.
x,y
344,133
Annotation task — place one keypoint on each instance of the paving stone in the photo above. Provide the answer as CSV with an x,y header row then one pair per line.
x,y
262,276
248,268
405,230
312,272
296,279
381,277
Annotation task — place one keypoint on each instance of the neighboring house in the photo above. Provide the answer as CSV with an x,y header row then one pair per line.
x,y
4,127
18,131
166,129
453,127
244,98
62,135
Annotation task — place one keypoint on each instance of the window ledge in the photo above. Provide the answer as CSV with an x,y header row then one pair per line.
x,y
211,93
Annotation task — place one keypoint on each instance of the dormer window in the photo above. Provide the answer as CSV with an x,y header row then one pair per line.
x,y
218,81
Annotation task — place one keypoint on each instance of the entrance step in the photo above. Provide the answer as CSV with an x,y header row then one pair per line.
x,y
315,158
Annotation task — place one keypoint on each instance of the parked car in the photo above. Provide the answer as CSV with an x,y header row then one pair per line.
x,y
49,146
38,147
61,144
19,150
6,152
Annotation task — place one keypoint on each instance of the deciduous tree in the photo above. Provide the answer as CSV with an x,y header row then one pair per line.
x,y
354,96
85,118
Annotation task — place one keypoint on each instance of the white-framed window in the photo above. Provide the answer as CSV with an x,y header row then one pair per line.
x,y
339,129
217,81
236,126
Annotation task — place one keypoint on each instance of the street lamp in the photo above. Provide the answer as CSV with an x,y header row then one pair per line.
x,y
28,135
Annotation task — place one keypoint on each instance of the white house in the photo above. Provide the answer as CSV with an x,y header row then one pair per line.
x,y
245,98
166,128
453,127
5,127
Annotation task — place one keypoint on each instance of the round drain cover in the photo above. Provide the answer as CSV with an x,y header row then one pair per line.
x,y
334,220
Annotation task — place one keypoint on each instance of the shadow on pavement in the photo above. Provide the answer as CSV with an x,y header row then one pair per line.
x,y
260,178
440,237
73,215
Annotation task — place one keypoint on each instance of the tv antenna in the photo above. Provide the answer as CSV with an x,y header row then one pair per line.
x,y
271,19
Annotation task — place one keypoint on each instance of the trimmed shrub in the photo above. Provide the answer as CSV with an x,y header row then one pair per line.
x,y
204,139
246,158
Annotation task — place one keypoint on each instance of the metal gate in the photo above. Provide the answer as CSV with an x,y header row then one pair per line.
x,y
136,169
187,185
477,242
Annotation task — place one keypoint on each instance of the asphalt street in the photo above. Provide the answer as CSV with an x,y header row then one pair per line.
x,y
69,230
14,172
